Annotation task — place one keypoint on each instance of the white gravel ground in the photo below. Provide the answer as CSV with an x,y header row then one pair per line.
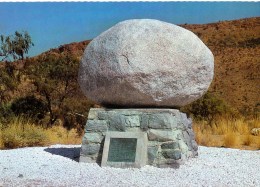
x,y
54,166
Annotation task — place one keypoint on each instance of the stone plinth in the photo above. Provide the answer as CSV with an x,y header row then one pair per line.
x,y
169,133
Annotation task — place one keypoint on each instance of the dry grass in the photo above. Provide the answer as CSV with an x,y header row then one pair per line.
x,y
60,135
23,133
228,132
231,140
223,132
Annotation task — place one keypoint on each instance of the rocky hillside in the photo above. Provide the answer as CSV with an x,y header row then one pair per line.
x,y
236,48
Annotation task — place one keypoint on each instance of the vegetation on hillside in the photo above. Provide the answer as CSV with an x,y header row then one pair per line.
x,y
236,49
41,93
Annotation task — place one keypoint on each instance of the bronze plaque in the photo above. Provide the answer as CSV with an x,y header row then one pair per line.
x,y
122,150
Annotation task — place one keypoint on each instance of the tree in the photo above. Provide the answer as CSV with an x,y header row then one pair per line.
x,y
55,78
29,106
208,107
15,46
5,47
8,82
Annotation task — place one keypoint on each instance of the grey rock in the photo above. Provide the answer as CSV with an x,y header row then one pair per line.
x,y
158,135
96,125
184,120
163,135
189,123
162,121
87,159
92,113
89,149
144,122
154,143
169,163
172,154
194,145
146,63
134,129
127,112
191,134
152,154
170,145
190,154
169,120
187,139
117,122
105,115
132,121
184,147
183,115
92,138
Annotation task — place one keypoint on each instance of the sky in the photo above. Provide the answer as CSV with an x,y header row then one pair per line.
x,y
53,24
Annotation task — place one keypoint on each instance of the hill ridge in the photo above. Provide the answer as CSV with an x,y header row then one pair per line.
x,y
235,45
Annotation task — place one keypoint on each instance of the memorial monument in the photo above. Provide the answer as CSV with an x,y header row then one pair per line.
x,y
142,71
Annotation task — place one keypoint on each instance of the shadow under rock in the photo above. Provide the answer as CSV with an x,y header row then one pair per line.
x,y
72,153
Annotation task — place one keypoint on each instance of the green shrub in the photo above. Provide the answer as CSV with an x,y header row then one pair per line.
x,y
208,107
29,106
6,113
75,113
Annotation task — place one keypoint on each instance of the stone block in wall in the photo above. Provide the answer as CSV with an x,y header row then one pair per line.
x,y
152,152
172,154
169,163
191,134
128,112
89,149
162,121
194,145
87,159
184,120
103,115
158,135
93,112
163,135
189,123
187,139
144,121
170,145
96,126
92,137
183,147
116,122
132,121
154,143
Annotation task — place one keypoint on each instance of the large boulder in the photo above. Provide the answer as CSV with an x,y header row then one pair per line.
x,y
146,63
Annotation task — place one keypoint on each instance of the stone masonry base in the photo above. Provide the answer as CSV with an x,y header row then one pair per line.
x,y
170,136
